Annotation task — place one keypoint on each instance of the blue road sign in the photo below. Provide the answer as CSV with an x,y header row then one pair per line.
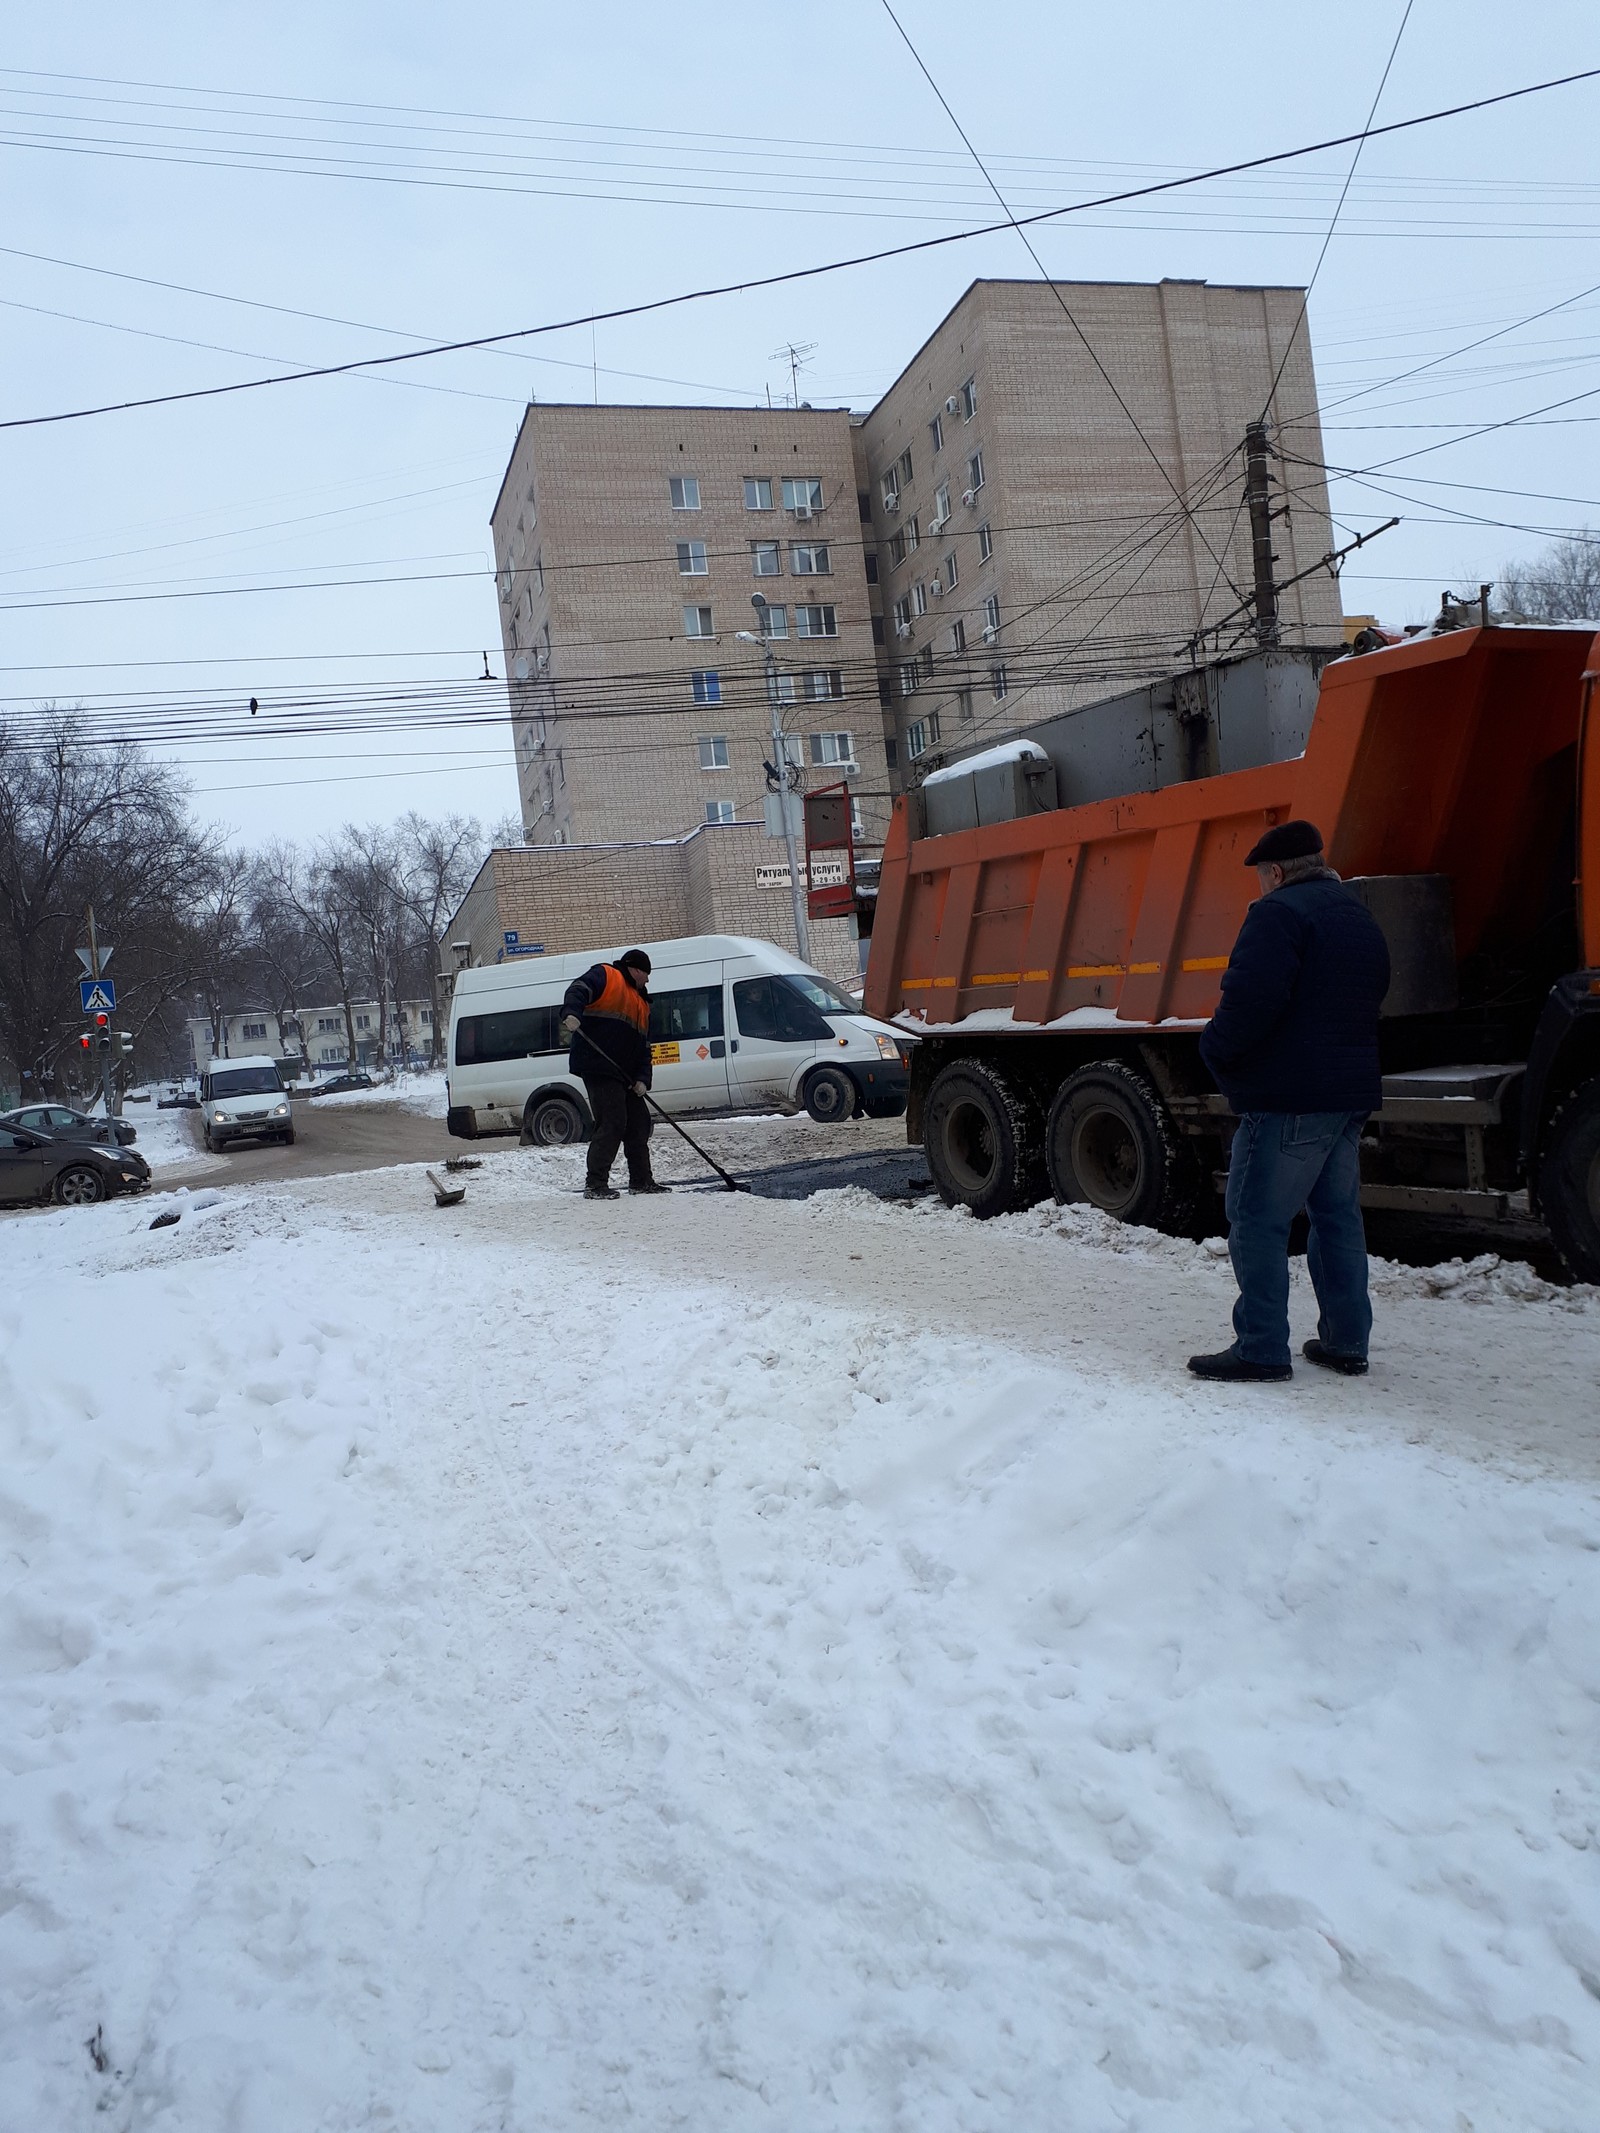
x,y
98,995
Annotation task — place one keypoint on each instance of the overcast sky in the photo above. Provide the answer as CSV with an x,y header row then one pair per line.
x,y
415,171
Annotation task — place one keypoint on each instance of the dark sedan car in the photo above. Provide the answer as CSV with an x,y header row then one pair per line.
x,y
62,1123
74,1173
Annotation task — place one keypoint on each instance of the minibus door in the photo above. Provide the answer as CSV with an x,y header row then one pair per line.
x,y
688,1045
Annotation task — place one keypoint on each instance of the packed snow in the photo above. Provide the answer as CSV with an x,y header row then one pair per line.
x,y
423,1093
719,1663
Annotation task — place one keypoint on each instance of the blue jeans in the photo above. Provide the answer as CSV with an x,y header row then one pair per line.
x,y
1280,1162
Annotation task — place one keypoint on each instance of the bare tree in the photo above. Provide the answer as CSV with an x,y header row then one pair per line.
x,y
317,890
437,863
1562,585
83,824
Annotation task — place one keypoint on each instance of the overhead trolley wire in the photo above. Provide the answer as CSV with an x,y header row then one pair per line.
x,y
795,274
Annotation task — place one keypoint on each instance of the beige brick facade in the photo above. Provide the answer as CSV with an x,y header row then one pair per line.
x,y
563,898
611,523
1096,573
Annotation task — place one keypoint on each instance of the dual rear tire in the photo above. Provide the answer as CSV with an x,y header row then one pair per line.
x,y
1107,1141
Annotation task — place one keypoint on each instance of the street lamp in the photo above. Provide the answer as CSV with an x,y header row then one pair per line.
x,y
780,757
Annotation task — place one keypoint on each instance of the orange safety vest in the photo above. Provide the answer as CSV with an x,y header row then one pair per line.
x,y
619,1002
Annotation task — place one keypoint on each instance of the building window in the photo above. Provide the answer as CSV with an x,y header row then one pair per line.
x,y
816,622
784,688
958,635
691,559
964,706
910,679
877,628
997,683
969,399
917,738
952,576
719,810
538,564
823,684
832,748
326,1025
891,755
941,505
697,622
902,615
809,559
926,656
991,613
919,597
975,473
869,561
897,548
757,493
685,492
774,621
912,535
765,561
363,1022
936,432
890,486
902,468
713,751
985,542
706,682
802,492
864,506
857,825
252,1029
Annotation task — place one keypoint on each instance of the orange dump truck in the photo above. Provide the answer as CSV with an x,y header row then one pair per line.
x,y
1058,964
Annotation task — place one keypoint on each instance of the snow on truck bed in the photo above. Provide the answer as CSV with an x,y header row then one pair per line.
x,y
723,1663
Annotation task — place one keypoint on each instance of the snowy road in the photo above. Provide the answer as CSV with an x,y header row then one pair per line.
x,y
714,1663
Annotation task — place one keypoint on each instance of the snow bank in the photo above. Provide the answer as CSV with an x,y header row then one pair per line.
x,y
987,759
453,1681
422,1093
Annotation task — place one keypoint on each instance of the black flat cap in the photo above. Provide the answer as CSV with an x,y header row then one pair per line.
x,y
637,958
1285,840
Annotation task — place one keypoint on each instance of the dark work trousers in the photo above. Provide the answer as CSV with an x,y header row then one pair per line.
x,y
1281,1162
621,1120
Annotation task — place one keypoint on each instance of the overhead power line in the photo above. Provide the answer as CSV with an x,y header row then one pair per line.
x,y
797,274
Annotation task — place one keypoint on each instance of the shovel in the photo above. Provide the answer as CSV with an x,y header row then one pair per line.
x,y
710,1161
445,1195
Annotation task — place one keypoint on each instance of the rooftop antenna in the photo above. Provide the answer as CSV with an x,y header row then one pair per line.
x,y
794,354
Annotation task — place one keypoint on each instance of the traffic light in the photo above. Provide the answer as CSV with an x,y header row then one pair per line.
x,y
103,1024
125,1039
83,1042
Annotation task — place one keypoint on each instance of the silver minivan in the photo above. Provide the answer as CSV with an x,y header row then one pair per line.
x,y
244,1099
735,1025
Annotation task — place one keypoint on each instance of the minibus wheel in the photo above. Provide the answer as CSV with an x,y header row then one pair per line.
x,y
553,1122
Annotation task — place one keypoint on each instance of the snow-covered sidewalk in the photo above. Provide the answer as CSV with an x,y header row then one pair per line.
x,y
717,1664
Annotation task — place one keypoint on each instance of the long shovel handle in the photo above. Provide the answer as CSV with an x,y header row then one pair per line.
x,y
710,1161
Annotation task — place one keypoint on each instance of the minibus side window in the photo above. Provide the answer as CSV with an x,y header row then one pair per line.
x,y
696,1011
519,1033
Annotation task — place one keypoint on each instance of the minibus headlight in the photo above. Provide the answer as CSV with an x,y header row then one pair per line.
x,y
887,1048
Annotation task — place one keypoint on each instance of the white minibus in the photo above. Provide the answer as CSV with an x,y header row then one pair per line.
x,y
735,1025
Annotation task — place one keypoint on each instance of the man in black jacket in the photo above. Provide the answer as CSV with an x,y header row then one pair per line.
x,y
1294,1048
606,1015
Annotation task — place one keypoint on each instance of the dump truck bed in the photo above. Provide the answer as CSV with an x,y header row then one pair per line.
x,y
1453,756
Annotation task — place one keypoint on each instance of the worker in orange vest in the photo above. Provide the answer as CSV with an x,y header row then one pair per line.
x,y
606,1015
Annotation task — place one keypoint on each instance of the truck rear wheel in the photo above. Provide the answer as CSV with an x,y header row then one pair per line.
x,y
556,1122
1569,1181
981,1139
1110,1143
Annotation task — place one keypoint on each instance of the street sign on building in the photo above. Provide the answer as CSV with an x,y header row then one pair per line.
x,y
98,996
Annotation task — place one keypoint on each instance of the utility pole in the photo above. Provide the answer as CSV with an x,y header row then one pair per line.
x,y
105,1034
1258,496
787,776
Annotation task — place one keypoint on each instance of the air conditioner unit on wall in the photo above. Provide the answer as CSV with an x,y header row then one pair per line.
x,y
802,510
936,588
990,634
936,525
902,629
952,406
892,502
969,497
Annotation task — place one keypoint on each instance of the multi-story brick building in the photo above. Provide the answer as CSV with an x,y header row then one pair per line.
x,y
1044,506
1052,523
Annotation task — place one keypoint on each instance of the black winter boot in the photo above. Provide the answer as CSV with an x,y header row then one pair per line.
x,y
1348,1366
1230,1368
601,1192
650,1185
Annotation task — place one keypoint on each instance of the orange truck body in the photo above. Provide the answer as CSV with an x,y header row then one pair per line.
x,y
1453,755
1059,967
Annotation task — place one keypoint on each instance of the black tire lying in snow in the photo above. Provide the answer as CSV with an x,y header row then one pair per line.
x,y
981,1137
1110,1142
1569,1181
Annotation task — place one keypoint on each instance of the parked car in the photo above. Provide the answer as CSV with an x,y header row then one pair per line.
x,y
178,1096
74,1173
244,1099
735,1025
62,1123
356,1079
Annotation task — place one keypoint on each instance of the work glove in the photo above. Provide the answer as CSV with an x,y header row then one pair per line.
x,y
569,1025
638,1088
